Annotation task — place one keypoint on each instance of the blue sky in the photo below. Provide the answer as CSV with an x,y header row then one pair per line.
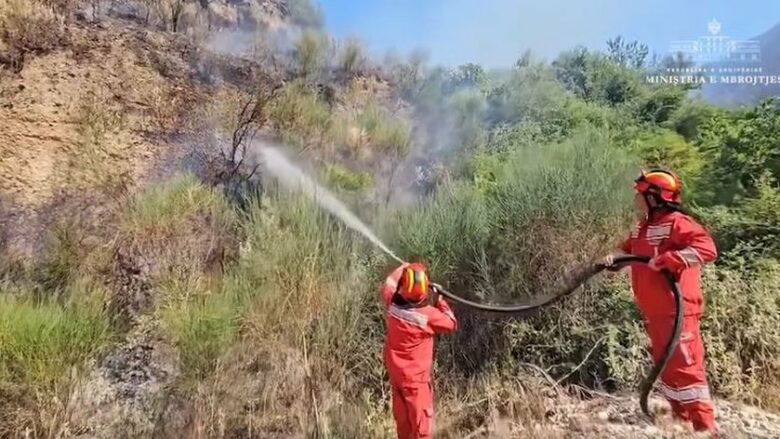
x,y
496,32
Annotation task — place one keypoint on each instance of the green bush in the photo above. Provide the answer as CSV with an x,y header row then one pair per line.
x,y
310,54
162,211
174,233
300,116
542,194
388,133
301,281
41,342
449,233
202,328
351,59
532,96
512,239
538,201
667,149
468,108
747,233
344,179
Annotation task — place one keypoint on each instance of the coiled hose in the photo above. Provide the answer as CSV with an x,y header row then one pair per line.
x,y
570,283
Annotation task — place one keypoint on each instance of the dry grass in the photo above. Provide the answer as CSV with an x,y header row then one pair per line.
x,y
310,53
28,26
351,60
101,159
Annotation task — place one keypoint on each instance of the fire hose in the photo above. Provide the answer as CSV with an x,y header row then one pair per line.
x,y
571,282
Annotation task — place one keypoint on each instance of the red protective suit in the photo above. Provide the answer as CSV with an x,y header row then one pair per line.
x,y
409,357
678,244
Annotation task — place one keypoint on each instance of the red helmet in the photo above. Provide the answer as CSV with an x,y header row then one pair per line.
x,y
413,285
663,184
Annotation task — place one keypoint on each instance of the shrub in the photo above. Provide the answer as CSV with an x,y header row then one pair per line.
x,y
166,211
310,54
449,233
513,239
388,133
344,179
468,108
541,193
174,234
300,116
747,233
532,194
299,308
668,150
41,342
741,329
351,59
202,328
532,96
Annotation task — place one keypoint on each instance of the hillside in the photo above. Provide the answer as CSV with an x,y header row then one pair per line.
x,y
157,280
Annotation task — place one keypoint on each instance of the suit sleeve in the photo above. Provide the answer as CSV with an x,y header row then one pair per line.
x,y
390,285
442,320
695,245
625,245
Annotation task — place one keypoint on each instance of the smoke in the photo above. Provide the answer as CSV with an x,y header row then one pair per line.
x,y
254,43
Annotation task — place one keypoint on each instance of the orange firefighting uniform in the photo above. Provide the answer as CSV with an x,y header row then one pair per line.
x,y
409,357
678,244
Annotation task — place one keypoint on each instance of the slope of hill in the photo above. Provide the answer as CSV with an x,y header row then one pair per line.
x,y
112,99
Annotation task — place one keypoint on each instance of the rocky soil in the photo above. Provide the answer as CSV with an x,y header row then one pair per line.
x,y
608,416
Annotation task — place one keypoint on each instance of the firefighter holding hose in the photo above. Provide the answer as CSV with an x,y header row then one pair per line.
x,y
414,314
676,243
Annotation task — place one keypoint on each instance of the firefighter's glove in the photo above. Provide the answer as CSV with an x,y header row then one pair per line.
x,y
609,263
669,261
434,295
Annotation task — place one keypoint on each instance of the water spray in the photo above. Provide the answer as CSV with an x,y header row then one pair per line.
x,y
295,179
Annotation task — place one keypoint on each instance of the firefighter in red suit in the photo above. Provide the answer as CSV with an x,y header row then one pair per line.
x,y
676,243
412,322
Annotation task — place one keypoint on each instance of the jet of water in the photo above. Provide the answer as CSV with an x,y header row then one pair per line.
x,y
294,178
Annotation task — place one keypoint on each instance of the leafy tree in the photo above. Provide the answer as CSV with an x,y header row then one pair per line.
x,y
610,82
740,150
571,69
632,55
466,76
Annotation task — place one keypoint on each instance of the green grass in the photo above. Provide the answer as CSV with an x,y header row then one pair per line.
x,y
310,51
202,329
170,209
300,116
388,133
344,179
41,342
